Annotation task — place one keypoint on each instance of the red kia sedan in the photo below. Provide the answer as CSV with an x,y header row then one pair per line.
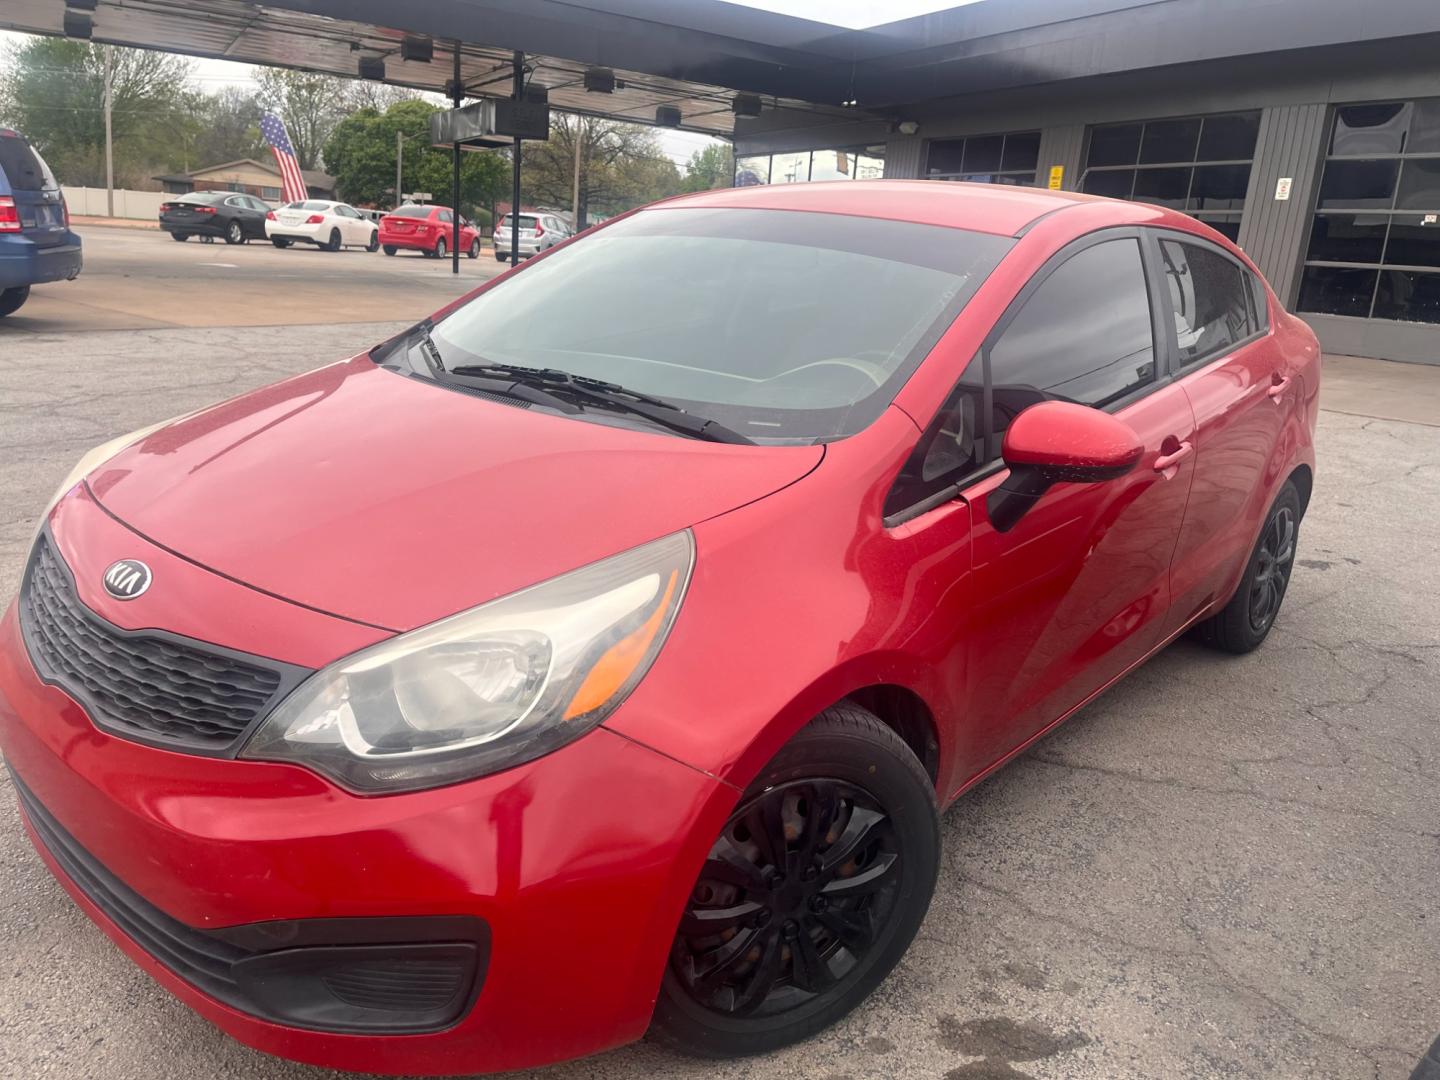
x,y
428,229
596,656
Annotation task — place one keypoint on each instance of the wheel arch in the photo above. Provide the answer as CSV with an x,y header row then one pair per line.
x,y
904,712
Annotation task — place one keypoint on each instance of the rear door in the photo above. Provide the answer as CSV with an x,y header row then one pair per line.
x,y
1230,365
38,204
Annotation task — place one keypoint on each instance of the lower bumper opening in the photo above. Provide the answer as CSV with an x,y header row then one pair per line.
x,y
388,975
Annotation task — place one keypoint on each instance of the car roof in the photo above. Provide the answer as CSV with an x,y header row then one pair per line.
x,y
1000,209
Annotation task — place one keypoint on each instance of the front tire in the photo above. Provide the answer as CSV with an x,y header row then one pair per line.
x,y
1242,624
11,300
810,896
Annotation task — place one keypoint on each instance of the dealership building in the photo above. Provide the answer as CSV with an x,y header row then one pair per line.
x,y
1306,130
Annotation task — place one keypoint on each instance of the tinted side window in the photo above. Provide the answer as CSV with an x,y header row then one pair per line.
x,y
1084,335
447,217
1208,295
22,167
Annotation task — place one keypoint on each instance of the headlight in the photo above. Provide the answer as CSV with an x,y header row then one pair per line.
x,y
489,688
92,460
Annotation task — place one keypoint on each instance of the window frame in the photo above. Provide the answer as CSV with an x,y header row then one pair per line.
x,y
1162,337
1254,291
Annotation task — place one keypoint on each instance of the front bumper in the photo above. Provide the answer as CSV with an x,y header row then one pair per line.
x,y
23,262
577,864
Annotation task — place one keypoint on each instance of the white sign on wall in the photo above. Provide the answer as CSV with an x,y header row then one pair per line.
x,y
1282,188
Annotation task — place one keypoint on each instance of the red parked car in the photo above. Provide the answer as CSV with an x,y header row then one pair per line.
x,y
597,656
430,229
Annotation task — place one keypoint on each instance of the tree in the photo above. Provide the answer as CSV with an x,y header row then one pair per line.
x,y
361,154
620,166
311,106
224,126
53,90
712,167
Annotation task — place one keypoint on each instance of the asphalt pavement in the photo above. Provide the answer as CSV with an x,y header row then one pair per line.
x,y
142,279
1223,868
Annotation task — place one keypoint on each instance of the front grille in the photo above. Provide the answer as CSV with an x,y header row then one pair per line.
x,y
145,685
393,974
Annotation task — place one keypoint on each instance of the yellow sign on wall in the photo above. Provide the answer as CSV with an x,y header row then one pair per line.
x,y
1057,177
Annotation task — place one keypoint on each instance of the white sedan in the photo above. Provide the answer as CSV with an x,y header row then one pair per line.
x,y
326,224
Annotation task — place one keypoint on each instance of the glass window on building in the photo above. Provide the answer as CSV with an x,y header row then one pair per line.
x,y
1374,250
1198,164
1010,158
840,163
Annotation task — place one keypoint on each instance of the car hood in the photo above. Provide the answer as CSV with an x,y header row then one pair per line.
x,y
395,502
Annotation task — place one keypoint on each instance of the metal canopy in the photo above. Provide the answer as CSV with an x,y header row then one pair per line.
x,y
311,35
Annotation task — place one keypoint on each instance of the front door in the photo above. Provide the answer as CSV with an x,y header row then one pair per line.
x,y
1078,590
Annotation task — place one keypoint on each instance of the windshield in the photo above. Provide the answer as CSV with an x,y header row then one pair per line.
x,y
785,326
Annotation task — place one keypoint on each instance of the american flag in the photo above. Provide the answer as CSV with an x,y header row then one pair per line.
x,y
292,181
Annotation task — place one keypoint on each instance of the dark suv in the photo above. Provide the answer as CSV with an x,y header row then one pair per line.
x,y
36,244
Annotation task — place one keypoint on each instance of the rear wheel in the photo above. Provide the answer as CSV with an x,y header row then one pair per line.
x,y
334,243
234,233
390,249
474,251
1243,623
11,299
809,897
440,248
280,241
180,237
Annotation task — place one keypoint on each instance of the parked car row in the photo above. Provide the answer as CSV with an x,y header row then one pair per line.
x,y
331,225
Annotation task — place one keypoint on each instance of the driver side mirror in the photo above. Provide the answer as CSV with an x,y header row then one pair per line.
x,y
1059,442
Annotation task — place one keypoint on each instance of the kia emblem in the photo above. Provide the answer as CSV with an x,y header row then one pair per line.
x,y
127,579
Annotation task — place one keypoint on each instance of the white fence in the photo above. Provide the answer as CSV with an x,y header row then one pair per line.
x,y
140,205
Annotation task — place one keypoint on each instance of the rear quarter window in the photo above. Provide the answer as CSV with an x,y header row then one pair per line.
x,y
22,167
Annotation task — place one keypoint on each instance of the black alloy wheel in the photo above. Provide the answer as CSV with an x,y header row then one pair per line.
x,y
810,895
1275,560
1247,619
789,900
234,233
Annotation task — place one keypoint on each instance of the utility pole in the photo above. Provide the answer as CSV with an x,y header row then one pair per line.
x,y
457,97
109,140
399,161
518,89
575,187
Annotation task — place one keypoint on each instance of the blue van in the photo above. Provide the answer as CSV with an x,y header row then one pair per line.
x,y
36,244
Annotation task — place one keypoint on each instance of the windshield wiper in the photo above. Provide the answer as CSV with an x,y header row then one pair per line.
x,y
657,410
482,378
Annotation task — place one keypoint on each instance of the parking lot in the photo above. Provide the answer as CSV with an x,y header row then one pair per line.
x,y
1223,868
